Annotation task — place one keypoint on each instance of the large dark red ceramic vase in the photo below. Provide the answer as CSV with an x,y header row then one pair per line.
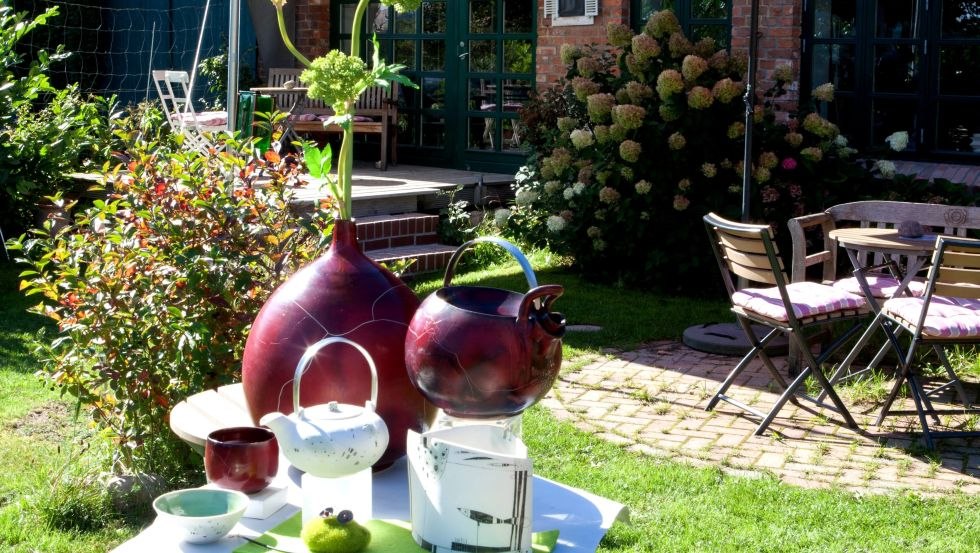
x,y
344,293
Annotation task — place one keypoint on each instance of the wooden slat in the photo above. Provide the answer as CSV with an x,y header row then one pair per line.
x,y
752,260
970,291
953,275
960,258
753,274
751,245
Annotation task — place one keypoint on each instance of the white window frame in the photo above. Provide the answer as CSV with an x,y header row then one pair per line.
x,y
551,10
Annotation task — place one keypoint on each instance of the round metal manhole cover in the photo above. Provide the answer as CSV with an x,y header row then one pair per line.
x,y
729,339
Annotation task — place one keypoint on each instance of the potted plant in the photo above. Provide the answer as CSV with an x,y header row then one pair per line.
x,y
344,293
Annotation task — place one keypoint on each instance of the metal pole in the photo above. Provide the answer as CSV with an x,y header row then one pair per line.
x,y
750,109
234,9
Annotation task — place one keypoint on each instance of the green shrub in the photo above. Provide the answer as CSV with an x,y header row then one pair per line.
x,y
44,133
154,288
645,136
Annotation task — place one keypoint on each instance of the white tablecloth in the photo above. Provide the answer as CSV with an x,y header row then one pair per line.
x,y
581,518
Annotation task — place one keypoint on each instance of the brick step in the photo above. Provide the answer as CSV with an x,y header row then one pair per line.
x,y
428,257
379,232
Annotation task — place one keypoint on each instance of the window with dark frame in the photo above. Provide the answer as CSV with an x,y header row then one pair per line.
x,y
698,18
899,65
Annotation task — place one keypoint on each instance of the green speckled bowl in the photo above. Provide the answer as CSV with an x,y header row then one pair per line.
x,y
202,515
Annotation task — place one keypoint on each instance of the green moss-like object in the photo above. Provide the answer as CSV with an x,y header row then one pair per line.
x,y
328,535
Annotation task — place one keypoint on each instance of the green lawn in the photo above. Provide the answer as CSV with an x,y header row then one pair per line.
x,y
673,507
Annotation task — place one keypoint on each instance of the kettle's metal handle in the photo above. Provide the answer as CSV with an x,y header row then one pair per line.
x,y
304,363
532,281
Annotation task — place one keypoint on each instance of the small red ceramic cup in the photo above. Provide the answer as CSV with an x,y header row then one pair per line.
x,y
242,458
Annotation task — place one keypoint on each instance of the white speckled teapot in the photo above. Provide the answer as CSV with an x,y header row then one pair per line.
x,y
333,439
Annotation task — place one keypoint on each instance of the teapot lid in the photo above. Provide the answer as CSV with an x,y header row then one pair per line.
x,y
332,411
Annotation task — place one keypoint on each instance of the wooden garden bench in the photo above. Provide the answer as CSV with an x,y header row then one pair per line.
x,y
942,219
376,112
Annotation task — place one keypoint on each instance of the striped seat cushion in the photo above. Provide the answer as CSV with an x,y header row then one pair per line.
x,y
808,298
947,317
882,286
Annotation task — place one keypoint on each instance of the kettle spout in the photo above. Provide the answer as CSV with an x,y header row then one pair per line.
x,y
280,425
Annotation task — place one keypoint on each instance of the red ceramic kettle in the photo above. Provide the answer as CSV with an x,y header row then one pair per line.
x,y
480,352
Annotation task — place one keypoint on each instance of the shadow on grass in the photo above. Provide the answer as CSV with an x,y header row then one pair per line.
x,y
16,324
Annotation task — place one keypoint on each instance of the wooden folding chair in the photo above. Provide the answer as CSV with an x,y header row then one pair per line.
x,y
947,314
197,128
748,251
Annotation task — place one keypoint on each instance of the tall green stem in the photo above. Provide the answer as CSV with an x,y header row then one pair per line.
x,y
345,167
285,38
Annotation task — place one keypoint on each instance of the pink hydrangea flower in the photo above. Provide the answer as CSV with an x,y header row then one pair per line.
x,y
789,164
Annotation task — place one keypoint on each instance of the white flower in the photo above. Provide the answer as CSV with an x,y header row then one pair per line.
x,y
840,141
898,141
556,223
569,193
500,217
578,187
886,168
525,196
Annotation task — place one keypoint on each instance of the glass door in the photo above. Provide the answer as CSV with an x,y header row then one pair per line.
x,y
496,68
474,64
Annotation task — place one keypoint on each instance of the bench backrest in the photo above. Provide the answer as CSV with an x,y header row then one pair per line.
x,y
944,219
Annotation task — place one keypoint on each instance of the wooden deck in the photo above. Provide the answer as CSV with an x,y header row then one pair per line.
x,y
408,188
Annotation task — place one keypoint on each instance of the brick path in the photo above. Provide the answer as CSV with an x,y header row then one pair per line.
x,y
652,401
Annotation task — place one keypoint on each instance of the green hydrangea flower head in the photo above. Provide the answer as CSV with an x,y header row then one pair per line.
x,y
336,79
619,35
661,24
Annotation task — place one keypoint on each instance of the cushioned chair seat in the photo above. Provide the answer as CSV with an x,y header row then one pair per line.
x,y
947,317
315,117
882,286
809,299
207,118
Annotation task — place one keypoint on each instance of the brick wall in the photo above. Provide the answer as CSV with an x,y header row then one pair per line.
x,y
779,28
312,27
780,24
550,39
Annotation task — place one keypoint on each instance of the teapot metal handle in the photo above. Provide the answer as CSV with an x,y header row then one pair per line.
x,y
532,281
310,353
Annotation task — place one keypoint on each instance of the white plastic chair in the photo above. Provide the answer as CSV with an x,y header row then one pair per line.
x,y
197,128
